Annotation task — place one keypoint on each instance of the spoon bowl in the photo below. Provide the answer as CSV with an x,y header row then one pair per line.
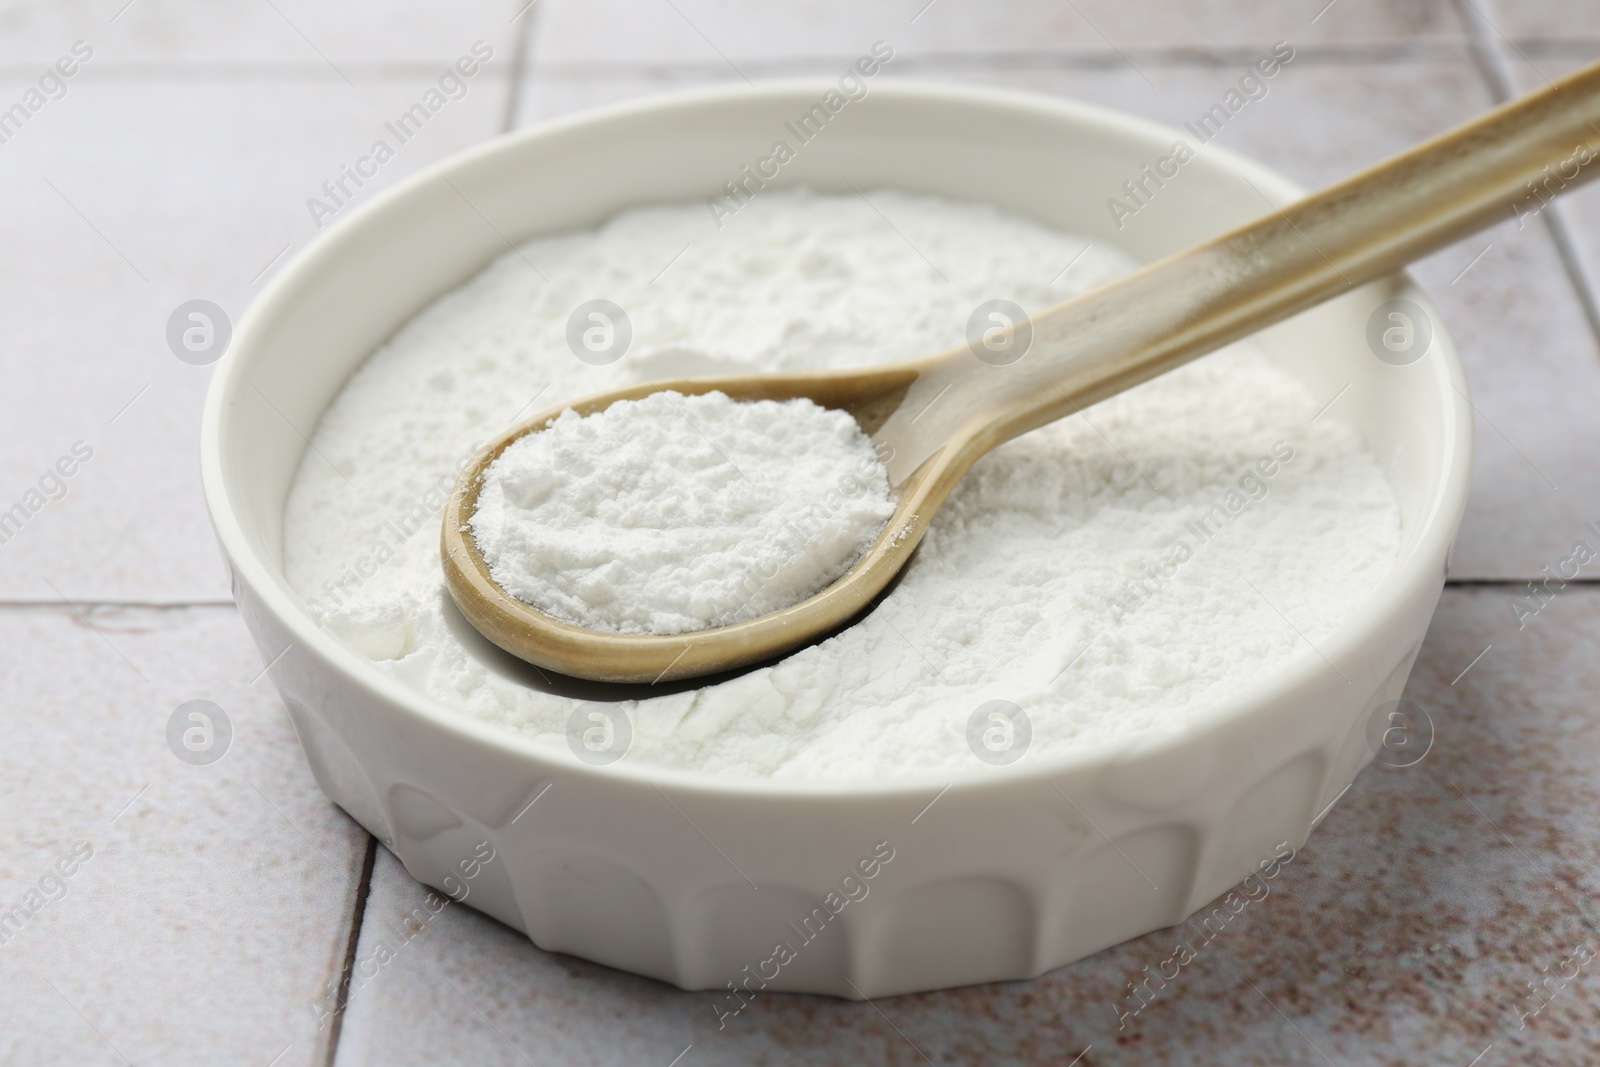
x,y
870,396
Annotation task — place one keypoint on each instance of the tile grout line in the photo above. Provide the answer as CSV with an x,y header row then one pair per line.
x,y
1222,56
1490,57
347,963
136,605
1494,583
1486,54
521,64
1560,230
1084,59
397,70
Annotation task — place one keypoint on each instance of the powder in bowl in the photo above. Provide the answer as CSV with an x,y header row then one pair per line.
x,y
1050,579
674,513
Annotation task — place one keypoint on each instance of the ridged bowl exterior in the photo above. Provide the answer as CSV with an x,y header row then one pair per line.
x,y
1000,873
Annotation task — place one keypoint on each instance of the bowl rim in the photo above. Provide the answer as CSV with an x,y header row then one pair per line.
x,y
1438,522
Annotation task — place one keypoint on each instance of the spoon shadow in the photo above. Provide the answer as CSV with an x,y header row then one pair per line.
x,y
520,672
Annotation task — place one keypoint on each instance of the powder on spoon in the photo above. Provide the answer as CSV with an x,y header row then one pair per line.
x,y
674,513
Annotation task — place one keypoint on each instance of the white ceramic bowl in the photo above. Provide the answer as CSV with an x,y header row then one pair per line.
x,y
1013,871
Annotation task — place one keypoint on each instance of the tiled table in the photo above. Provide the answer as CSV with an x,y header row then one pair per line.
x,y
210,906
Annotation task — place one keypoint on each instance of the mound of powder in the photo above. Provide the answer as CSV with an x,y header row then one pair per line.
x,y
1111,573
675,513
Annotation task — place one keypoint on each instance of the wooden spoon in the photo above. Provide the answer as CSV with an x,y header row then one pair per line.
x,y
931,418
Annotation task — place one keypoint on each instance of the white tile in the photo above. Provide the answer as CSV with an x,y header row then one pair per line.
x,y
1409,921
458,978
216,903
231,32
1549,20
754,37
545,97
124,200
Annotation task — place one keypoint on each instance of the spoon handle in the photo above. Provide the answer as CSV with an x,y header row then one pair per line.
x,y
1505,164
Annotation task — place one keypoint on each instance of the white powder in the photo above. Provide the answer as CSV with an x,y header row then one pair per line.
x,y
674,513
1027,587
